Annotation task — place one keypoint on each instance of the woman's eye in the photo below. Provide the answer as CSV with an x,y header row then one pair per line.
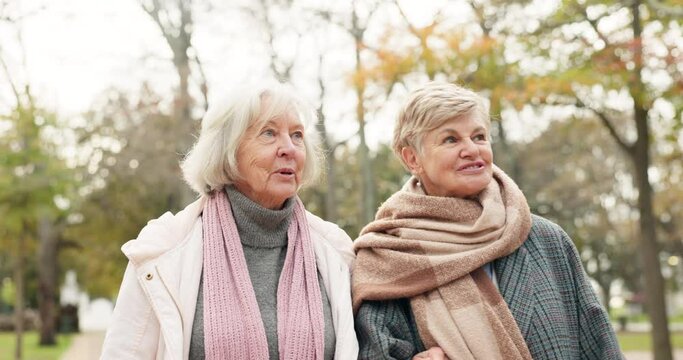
x,y
480,137
268,133
298,135
450,140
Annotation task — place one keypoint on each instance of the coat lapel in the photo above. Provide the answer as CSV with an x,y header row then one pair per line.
x,y
180,270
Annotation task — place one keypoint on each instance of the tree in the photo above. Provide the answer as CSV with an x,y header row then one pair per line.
x,y
33,177
569,173
281,67
129,174
602,57
474,53
355,25
34,188
130,153
175,21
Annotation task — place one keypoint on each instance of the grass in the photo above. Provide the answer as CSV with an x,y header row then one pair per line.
x,y
636,341
31,350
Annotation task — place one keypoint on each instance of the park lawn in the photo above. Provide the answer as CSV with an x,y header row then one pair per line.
x,y
31,349
630,341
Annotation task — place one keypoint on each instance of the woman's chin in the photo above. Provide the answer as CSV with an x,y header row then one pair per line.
x,y
282,193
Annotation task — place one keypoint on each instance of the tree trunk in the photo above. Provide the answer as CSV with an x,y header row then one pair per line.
x,y
509,162
368,201
654,282
47,279
178,37
182,112
368,184
329,199
606,295
19,299
183,102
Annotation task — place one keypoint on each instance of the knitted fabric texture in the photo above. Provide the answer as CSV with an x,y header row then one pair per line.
x,y
232,324
431,250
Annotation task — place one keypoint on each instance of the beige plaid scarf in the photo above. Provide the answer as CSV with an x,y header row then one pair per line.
x,y
431,249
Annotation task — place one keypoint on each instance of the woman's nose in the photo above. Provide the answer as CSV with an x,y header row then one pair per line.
x,y
469,148
286,146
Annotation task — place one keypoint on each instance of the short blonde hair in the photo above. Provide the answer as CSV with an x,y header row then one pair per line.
x,y
429,107
212,162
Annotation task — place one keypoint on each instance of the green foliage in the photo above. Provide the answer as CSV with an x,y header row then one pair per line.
x,y
7,292
31,348
568,176
32,177
635,341
130,175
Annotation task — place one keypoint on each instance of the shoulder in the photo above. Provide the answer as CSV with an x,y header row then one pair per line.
x,y
547,234
550,246
542,227
332,235
163,233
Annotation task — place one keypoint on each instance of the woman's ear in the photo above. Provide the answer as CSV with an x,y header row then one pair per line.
x,y
411,159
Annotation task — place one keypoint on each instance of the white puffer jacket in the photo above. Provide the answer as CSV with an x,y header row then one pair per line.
x,y
156,303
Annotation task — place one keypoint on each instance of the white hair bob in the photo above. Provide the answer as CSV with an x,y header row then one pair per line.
x,y
212,162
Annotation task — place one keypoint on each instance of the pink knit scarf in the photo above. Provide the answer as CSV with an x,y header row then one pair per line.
x,y
233,328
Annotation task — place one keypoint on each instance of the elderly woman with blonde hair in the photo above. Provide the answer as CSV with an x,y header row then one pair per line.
x,y
455,262
244,272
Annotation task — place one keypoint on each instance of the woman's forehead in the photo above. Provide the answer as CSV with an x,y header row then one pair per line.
x,y
289,117
470,121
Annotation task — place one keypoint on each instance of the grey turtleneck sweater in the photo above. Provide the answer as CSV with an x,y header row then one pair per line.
x,y
263,233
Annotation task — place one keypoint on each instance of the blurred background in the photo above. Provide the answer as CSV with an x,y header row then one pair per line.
x,y
99,100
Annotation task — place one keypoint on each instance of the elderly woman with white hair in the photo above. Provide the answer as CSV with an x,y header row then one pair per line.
x,y
244,272
456,266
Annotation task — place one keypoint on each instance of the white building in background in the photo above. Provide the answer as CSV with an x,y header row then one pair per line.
x,y
70,293
93,315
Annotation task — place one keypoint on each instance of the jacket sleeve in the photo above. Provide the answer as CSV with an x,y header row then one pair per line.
x,y
386,330
596,334
335,236
134,330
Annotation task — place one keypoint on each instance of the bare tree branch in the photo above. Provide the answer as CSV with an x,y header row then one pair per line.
x,y
154,12
628,148
203,83
16,90
669,10
321,108
594,22
481,17
326,16
548,25
4,16
10,80
261,15
411,27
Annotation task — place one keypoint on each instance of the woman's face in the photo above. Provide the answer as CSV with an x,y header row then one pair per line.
x,y
455,160
271,159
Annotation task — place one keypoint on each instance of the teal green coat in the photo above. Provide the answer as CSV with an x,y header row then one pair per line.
x,y
546,289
